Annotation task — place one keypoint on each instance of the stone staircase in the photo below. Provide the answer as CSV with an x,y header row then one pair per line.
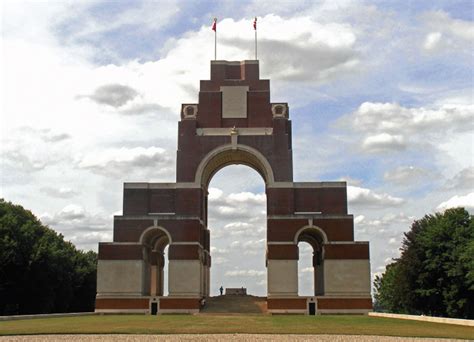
x,y
230,304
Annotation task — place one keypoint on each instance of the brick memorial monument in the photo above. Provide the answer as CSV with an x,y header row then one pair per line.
x,y
233,123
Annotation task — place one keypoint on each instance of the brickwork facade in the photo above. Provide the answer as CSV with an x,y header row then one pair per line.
x,y
233,123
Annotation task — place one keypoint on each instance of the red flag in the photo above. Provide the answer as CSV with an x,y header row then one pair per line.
x,y
214,25
255,24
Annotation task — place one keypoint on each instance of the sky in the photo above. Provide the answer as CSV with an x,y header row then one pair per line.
x,y
380,96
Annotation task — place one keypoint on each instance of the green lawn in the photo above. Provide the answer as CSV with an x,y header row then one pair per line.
x,y
259,324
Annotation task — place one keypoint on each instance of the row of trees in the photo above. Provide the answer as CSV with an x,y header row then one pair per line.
x,y
39,271
435,272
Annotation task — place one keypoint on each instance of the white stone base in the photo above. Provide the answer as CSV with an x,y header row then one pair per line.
x,y
282,278
184,278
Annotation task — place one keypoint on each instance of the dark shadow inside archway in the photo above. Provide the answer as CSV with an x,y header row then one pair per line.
x,y
237,224
155,242
311,242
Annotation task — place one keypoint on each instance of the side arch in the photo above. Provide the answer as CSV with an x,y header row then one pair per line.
x,y
153,232
233,154
317,239
154,240
311,229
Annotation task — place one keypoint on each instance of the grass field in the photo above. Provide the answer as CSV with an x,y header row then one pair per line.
x,y
210,324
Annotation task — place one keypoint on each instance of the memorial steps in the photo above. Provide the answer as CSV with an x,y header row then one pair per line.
x,y
229,304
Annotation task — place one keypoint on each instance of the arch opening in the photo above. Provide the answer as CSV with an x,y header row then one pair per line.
x,y
233,155
311,240
155,242
237,225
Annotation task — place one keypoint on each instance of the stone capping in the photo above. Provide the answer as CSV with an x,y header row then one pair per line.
x,y
312,216
226,131
308,185
456,321
120,243
273,184
158,217
70,314
224,62
347,242
142,185
319,184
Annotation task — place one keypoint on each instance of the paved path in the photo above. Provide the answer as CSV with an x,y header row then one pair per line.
x,y
214,337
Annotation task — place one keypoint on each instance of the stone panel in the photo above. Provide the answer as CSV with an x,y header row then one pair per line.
x,y
184,278
347,277
282,278
234,101
120,277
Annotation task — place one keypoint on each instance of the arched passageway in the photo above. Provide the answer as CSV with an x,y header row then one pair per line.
x,y
155,241
237,224
315,238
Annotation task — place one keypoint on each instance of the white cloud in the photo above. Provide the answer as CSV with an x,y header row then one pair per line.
x,y
245,273
463,180
447,33
122,160
432,40
383,142
63,192
359,219
214,194
72,212
247,197
404,175
358,196
386,127
465,201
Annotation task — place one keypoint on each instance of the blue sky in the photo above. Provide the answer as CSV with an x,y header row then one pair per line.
x,y
380,95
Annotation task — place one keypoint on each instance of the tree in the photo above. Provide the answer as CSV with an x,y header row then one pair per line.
x,y
39,271
435,272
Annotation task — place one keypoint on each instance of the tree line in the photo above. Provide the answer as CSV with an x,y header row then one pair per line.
x,y
39,271
434,274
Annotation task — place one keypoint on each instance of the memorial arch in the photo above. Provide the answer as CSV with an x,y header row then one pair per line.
x,y
234,122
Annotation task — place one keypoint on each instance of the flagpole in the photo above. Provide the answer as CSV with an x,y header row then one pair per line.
x,y
255,29
214,28
255,44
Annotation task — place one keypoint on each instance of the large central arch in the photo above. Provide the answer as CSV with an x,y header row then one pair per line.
x,y
234,122
230,154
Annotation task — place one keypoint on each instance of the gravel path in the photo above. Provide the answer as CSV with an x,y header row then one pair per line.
x,y
222,337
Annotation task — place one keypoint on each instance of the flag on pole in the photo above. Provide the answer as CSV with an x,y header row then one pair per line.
x,y
255,29
214,28
214,25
